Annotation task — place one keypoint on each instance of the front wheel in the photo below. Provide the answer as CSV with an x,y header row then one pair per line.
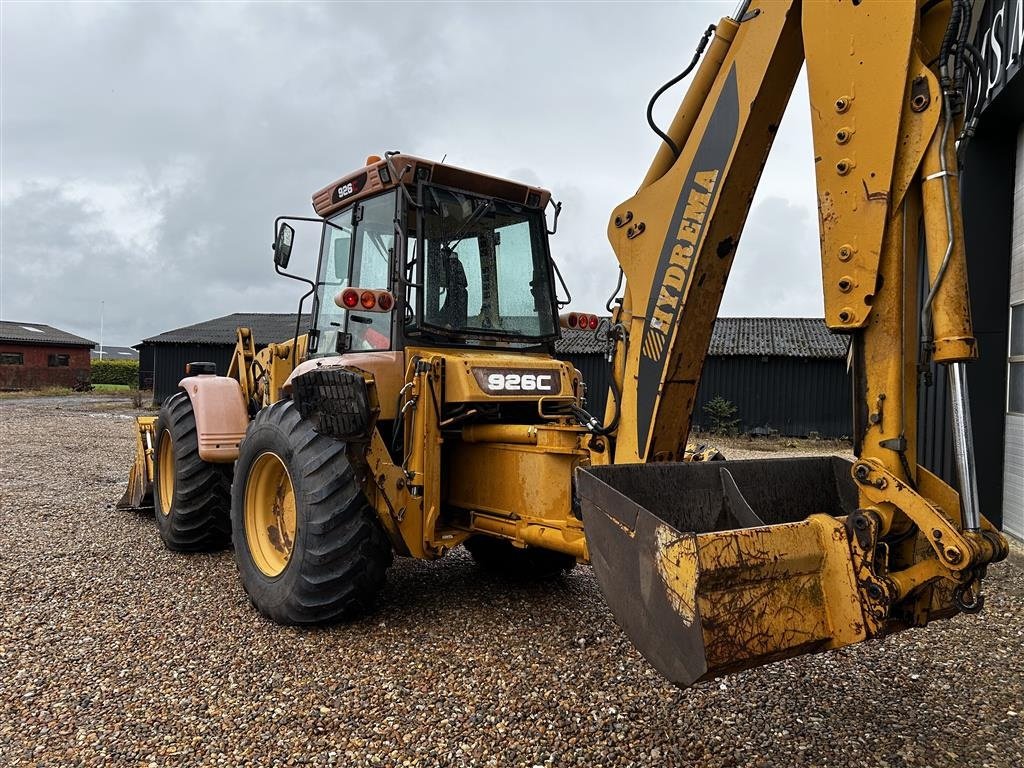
x,y
190,495
309,547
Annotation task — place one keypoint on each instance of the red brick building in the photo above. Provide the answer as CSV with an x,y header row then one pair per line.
x,y
33,356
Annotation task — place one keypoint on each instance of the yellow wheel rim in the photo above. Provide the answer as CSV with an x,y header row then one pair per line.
x,y
269,514
165,460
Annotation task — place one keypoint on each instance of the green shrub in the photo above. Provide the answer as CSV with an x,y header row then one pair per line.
x,y
721,412
115,372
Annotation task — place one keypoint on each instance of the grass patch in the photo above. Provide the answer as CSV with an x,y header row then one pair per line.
x,y
111,387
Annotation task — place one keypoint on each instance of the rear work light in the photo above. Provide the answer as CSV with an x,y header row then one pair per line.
x,y
200,369
365,299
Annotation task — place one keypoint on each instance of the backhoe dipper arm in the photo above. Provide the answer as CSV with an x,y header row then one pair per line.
x,y
676,237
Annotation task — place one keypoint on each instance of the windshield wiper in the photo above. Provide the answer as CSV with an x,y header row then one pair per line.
x,y
475,216
494,331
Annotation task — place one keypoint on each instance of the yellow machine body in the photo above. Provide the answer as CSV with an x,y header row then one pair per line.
x,y
711,567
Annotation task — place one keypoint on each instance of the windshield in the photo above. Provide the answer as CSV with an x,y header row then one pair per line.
x,y
486,271
358,248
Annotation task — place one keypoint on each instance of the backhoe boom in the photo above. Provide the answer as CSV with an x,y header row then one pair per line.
x,y
743,562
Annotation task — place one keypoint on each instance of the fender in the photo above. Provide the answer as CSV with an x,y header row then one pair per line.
x,y
221,416
387,369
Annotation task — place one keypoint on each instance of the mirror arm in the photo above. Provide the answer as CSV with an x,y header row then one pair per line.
x,y
558,210
568,296
298,315
399,176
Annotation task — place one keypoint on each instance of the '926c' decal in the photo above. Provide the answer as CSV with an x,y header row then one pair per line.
x,y
499,381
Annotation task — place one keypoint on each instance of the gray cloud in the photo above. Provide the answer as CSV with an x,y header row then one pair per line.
x,y
147,148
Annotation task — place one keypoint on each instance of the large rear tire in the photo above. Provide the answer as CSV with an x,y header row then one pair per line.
x,y
501,558
309,547
191,496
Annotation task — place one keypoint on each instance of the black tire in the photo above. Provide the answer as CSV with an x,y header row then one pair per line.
x,y
197,519
501,558
340,553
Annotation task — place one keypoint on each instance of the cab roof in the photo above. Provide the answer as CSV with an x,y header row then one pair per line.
x,y
379,175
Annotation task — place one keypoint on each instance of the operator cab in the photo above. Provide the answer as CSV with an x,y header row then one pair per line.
x,y
415,252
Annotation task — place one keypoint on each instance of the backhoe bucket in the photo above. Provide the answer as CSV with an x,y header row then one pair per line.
x,y
139,495
743,562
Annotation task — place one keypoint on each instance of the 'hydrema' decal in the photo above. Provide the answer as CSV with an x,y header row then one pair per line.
x,y
677,274
679,252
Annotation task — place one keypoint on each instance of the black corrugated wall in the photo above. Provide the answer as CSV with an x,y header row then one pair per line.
x,y
796,396
596,373
146,366
168,363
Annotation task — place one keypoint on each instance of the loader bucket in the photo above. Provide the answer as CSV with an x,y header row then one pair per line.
x,y
717,567
139,495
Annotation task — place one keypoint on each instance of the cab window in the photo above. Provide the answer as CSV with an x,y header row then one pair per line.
x,y
358,250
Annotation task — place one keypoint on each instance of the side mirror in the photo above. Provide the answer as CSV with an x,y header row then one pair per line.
x,y
283,245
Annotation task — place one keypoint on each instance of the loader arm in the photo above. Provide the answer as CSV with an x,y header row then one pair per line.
x,y
758,563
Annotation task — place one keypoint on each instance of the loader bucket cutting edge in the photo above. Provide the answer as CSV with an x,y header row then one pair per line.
x,y
746,562
139,494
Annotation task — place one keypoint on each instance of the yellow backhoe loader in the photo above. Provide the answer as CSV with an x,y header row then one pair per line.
x,y
423,409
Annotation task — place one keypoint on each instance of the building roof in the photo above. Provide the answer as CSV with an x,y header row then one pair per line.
x,y
776,337
266,327
15,332
733,336
115,353
737,336
579,342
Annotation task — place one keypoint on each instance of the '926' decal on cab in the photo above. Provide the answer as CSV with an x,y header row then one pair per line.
x,y
349,188
502,381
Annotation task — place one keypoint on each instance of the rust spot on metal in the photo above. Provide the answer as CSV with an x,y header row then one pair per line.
x,y
881,196
676,560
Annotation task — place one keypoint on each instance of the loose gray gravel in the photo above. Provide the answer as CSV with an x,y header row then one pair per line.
x,y
116,652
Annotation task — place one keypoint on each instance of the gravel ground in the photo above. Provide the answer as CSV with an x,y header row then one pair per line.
x,y
114,651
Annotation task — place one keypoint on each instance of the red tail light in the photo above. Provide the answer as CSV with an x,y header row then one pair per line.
x,y
367,300
350,297
580,320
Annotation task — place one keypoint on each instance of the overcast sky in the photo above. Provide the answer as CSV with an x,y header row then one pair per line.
x,y
147,148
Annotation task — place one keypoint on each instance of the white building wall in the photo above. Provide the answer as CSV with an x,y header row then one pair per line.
x,y
1013,466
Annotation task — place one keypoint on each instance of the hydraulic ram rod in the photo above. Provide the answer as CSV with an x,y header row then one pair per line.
x,y
963,445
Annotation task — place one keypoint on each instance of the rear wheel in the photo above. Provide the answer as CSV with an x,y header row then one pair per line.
x,y
191,496
309,547
532,563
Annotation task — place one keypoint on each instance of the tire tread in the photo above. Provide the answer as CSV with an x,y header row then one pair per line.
x,y
346,553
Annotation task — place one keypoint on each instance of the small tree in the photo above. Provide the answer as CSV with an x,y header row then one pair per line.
x,y
721,412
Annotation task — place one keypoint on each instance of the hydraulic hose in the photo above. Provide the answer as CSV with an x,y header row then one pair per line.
x,y
657,94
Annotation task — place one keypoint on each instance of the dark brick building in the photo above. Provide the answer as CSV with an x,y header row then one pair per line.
x,y
33,356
